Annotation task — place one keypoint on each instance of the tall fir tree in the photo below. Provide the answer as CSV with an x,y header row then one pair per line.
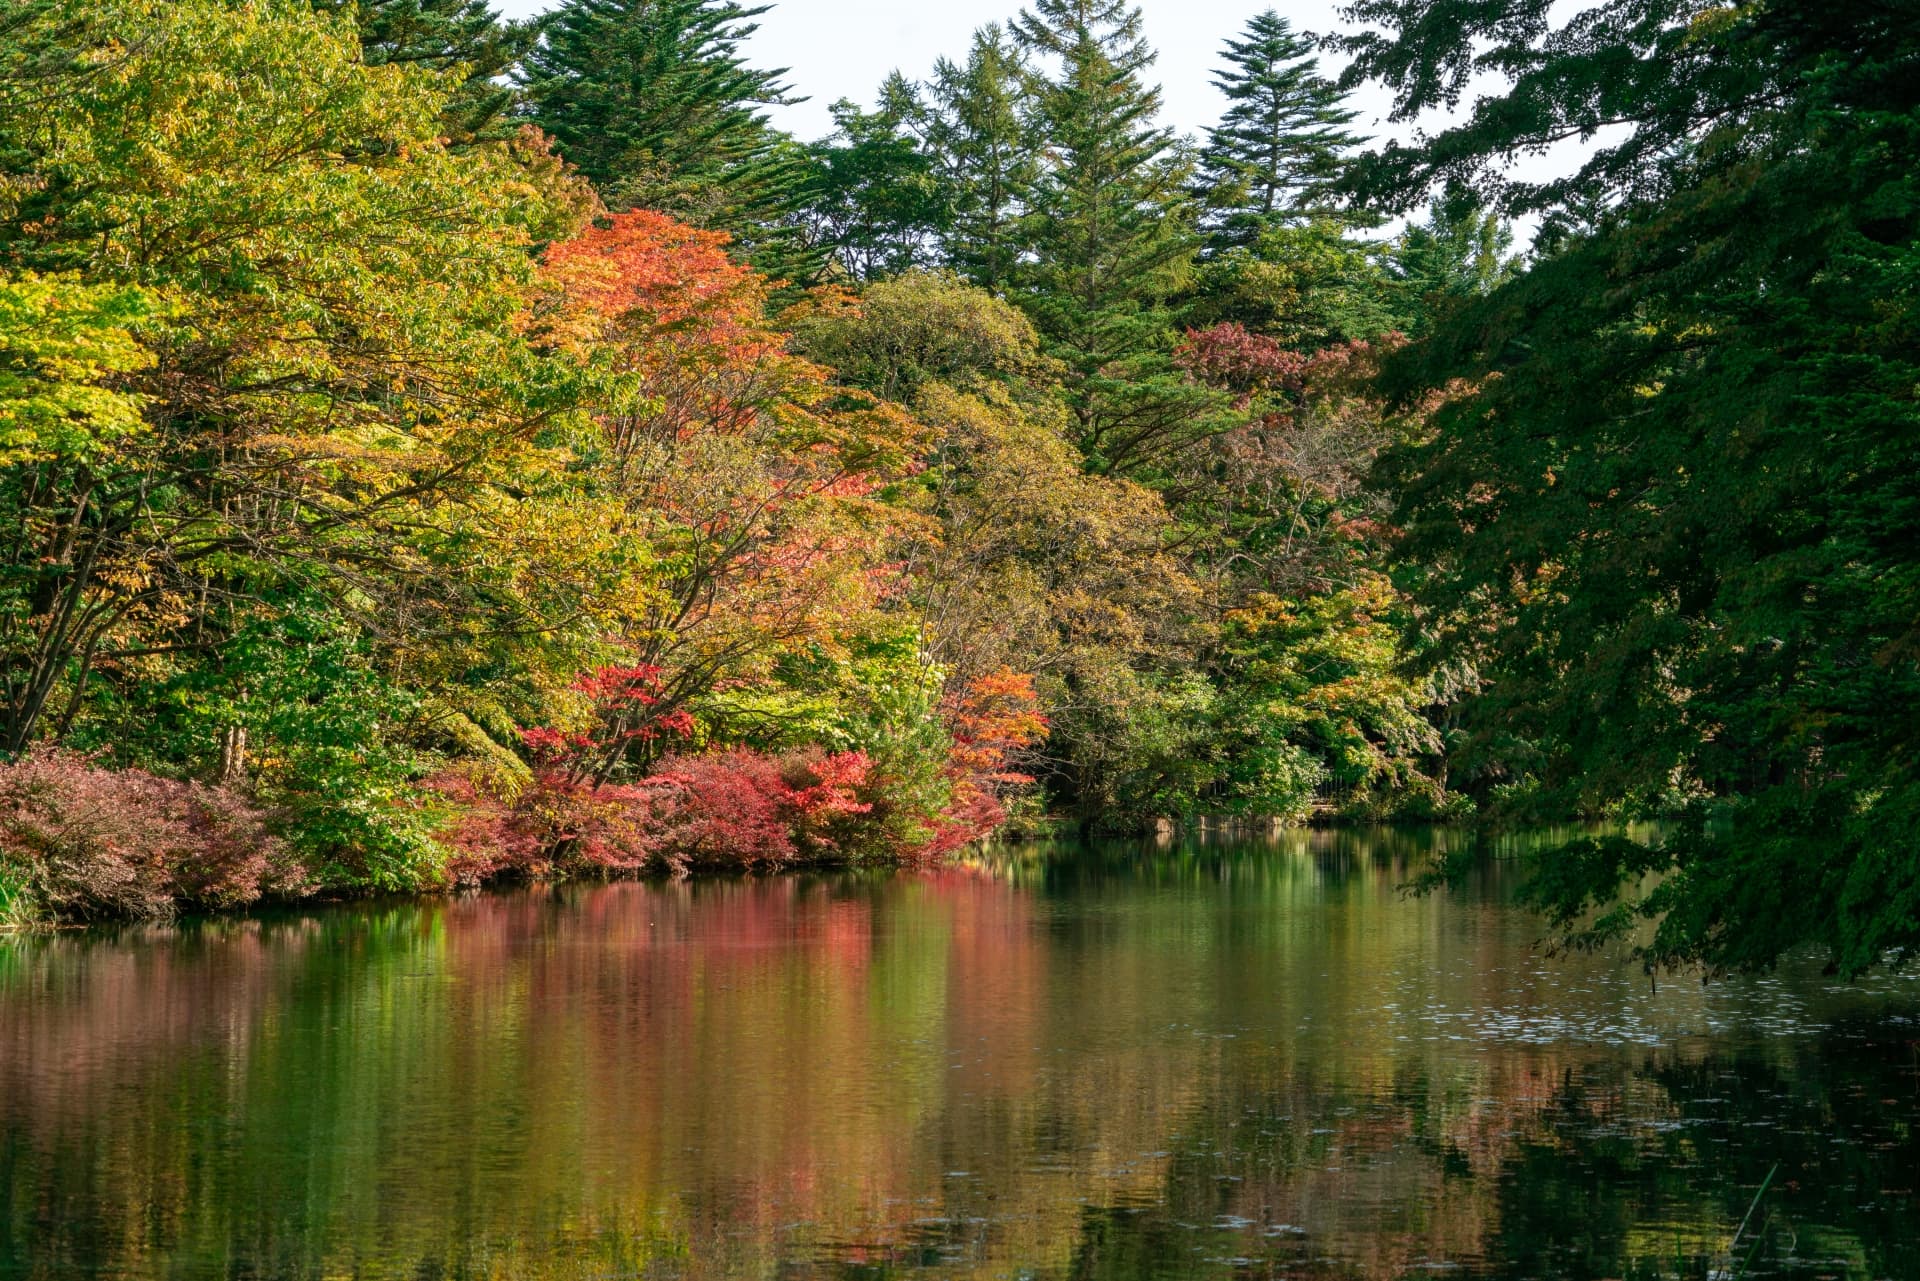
x,y
1462,250
878,202
655,103
444,34
1109,231
1281,142
976,124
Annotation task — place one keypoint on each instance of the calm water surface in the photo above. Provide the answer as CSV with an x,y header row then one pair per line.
x,y
1252,1060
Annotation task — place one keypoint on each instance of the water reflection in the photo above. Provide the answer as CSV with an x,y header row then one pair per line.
x,y
1225,1058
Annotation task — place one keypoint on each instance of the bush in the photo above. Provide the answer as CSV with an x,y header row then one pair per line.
x,y
725,810
737,809
547,826
79,842
748,809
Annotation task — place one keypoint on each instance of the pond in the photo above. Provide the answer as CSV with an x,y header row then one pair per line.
x,y
1226,1059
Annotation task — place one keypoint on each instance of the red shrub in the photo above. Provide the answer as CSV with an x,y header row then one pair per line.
x,y
823,796
554,825
98,843
731,809
737,809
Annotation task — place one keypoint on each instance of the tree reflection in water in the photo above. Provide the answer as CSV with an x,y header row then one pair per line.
x,y
1233,1060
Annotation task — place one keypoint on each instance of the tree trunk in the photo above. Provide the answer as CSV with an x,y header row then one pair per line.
x,y
233,756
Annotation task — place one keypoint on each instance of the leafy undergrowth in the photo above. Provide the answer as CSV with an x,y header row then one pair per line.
x,y
81,840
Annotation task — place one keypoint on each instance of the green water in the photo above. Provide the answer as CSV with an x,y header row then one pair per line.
x,y
1230,1060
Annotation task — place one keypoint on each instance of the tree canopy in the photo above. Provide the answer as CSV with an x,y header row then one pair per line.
x,y
1663,511
437,449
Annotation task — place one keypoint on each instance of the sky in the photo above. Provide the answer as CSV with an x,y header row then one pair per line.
x,y
844,48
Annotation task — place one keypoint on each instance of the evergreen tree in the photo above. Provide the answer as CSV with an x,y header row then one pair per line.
x,y
1461,251
977,128
1280,143
1308,285
444,34
878,202
654,102
1109,231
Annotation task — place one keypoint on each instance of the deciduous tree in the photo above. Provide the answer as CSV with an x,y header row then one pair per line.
x,y
1666,506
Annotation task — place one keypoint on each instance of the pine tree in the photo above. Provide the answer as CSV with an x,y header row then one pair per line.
x,y
976,126
1109,230
878,202
444,34
1461,251
653,101
1281,141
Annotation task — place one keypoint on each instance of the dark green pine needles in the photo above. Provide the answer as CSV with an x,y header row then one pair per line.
x,y
1278,149
654,102
1109,230
980,133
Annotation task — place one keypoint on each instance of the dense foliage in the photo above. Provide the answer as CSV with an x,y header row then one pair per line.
x,y
455,450
1666,515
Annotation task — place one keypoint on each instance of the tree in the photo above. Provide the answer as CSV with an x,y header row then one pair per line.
x,y
748,478
63,345
1289,540
1666,508
1025,562
467,36
1040,567
287,393
1109,230
1278,148
655,103
976,125
877,203
902,334
1461,251
1307,285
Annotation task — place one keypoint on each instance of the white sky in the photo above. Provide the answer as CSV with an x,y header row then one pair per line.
x,y
844,48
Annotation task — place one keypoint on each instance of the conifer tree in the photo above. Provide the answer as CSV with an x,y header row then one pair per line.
x,y
1280,143
444,34
977,126
654,102
878,201
1109,229
1462,250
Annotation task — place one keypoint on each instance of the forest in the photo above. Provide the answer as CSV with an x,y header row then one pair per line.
x,y
437,450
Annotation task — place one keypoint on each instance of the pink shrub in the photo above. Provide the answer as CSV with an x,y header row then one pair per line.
x,y
554,826
736,809
97,843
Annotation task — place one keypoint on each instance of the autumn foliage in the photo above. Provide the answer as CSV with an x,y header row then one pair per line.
x,y
87,841
382,507
735,809
993,720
